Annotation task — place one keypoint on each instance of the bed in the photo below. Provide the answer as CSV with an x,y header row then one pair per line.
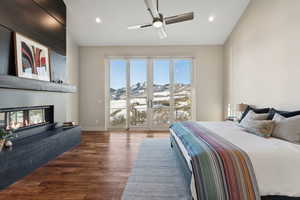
x,y
264,168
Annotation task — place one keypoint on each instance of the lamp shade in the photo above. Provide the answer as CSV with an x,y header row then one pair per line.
x,y
241,107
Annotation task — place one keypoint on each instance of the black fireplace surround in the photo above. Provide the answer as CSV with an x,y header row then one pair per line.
x,y
35,144
39,139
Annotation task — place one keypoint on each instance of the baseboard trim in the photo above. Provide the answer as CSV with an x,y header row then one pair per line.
x,y
93,128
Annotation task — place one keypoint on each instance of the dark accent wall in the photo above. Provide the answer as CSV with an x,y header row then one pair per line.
x,y
7,65
41,20
55,8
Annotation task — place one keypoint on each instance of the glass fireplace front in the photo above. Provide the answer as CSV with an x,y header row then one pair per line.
x,y
17,118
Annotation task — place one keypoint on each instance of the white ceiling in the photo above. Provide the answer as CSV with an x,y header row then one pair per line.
x,y
116,15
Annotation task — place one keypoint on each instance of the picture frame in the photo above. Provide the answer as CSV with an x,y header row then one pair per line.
x,y
32,59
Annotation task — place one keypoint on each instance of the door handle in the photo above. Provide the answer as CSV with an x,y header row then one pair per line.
x,y
150,103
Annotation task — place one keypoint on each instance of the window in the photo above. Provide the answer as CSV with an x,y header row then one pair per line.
x,y
118,94
149,93
183,90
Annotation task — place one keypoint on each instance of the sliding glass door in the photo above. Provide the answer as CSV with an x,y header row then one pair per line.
x,y
149,94
138,96
118,94
161,94
182,90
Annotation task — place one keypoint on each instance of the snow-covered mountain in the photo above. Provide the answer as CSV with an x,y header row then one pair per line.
x,y
138,106
138,89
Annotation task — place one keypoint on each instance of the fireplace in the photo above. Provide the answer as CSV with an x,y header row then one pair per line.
x,y
37,140
21,118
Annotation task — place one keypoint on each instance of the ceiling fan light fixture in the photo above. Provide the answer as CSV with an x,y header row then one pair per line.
x,y
157,24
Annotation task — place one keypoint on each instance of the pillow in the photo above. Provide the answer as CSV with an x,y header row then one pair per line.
x,y
286,114
251,115
287,128
263,128
258,111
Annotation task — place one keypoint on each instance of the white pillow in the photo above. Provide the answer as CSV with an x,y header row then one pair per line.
x,y
261,128
251,115
287,128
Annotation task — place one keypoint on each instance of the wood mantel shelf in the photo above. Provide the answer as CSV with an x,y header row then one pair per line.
x,y
13,82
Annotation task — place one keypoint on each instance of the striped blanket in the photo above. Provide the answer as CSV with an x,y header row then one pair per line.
x,y
221,170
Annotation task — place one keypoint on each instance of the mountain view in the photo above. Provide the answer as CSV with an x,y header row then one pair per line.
x,y
160,104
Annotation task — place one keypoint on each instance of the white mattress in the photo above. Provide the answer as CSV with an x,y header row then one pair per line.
x,y
276,162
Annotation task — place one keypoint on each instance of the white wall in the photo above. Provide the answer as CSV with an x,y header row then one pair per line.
x,y
264,67
72,100
208,77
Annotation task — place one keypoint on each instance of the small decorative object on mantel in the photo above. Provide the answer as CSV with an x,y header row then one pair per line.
x,y
32,59
4,138
8,144
58,81
1,144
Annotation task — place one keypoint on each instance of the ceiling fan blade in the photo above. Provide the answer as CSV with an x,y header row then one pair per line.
x,y
162,33
179,18
139,26
152,8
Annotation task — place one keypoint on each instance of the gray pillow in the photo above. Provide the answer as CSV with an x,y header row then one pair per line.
x,y
263,128
287,128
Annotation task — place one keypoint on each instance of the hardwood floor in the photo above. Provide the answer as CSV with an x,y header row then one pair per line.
x,y
95,170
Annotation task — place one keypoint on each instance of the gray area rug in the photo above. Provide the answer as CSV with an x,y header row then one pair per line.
x,y
156,174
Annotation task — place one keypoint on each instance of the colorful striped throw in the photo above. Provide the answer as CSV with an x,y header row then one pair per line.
x,y
222,171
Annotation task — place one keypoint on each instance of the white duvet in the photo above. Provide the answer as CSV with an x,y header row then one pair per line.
x,y
276,162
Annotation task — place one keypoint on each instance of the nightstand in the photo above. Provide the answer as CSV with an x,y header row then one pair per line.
x,y
233,119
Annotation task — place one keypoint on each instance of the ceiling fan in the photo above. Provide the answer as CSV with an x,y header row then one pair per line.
x,y
159,21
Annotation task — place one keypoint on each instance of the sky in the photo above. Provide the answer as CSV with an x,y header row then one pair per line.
x,y
138,72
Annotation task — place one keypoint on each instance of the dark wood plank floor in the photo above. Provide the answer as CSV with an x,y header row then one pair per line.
x,y
96,170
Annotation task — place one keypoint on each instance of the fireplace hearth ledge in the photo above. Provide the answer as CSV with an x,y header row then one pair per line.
x,y
34,151
14,82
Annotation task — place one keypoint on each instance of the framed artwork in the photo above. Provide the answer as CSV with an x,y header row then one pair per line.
x,y
32,59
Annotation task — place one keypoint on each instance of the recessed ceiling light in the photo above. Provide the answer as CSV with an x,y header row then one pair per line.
x,y
211,19
98,20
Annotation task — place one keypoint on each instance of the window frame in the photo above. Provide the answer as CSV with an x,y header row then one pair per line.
x,y
150,60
